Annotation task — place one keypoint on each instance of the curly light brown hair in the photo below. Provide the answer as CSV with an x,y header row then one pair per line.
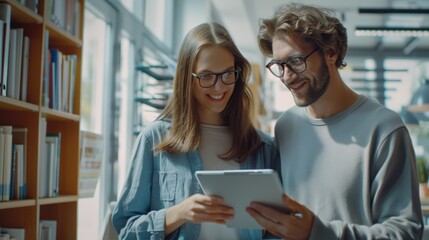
x,y
184,134
316,26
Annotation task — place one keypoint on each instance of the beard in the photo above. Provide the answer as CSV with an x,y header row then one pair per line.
x,y
317,87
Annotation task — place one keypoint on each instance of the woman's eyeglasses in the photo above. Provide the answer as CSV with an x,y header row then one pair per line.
x,y
208,80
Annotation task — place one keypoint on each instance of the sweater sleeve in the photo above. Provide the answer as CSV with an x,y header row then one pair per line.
x,y
394,197
132,216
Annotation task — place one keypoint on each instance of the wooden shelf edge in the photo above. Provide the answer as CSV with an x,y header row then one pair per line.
x,y
56,32
17,203
13,104
56,200
59,115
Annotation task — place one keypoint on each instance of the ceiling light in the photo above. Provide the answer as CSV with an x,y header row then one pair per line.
x,y
394,10
391,31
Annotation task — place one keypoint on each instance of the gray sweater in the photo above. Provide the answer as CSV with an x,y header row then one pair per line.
x,y
356,171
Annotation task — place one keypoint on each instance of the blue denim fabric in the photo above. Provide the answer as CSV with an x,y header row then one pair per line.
x,y
157,181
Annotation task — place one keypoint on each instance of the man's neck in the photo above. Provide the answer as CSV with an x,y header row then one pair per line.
x,y
337,98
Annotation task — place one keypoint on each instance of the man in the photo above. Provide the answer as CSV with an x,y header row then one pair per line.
x,y
348,165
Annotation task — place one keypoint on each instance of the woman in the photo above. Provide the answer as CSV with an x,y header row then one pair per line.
x,y
205,126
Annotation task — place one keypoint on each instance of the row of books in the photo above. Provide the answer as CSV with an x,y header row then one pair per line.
x,y
13,163
47,231
65,14
14,57
59,78
49,162
7,233
33,5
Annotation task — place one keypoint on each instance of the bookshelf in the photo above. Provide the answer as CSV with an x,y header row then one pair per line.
x,y
26,213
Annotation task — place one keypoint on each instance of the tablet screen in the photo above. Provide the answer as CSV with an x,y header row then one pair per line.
x,y
241,187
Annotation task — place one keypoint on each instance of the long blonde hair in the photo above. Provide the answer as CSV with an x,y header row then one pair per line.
x,y
184,134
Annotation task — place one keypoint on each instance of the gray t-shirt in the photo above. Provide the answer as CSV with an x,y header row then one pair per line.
x,y
356,171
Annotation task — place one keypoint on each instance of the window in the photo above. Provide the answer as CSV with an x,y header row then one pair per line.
x,y
97,71
125,100
92,92
135,7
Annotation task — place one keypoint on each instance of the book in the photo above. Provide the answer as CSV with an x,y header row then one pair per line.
x,y
18,61
15,233
33,5
4,236
24,73
48,230
2,28
1,161
50,168
17,179
42,157
5,16
13,174
77,15
56,80
65,83
46,69
54,139
72,80
19,137
7,161
11,65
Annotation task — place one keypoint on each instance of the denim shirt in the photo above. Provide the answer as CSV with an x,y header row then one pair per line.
x,y
159,180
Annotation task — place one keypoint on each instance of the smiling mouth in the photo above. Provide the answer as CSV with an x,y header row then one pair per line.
x,y
296,86
216,97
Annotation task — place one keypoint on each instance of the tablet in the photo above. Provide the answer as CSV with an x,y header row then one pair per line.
x,y
241,187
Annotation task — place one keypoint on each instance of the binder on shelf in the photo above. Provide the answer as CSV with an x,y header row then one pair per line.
x,y
72,77
53,140
15,233
18,61
17,177
42,158
2,144
48,230
46,69
11,65
19,139
7,161
2,40
5,16
24,73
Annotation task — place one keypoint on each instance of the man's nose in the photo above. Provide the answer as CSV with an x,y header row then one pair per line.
x,y
287,74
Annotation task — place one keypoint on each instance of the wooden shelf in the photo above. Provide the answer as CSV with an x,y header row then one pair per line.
x,y
16,105
29,114
62,38
17,203
52,114
56,200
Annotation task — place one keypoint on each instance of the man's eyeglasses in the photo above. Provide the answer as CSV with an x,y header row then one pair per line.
x,y
210,79
295,64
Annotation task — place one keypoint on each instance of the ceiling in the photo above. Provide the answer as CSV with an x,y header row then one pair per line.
x,y
240,17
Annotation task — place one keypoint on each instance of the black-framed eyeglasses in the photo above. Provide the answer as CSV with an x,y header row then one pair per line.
x,y
208,80
295,64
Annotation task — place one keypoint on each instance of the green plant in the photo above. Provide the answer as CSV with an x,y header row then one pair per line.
x,y
422,170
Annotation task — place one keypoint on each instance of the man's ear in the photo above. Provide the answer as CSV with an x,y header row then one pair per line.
x,y
331,55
